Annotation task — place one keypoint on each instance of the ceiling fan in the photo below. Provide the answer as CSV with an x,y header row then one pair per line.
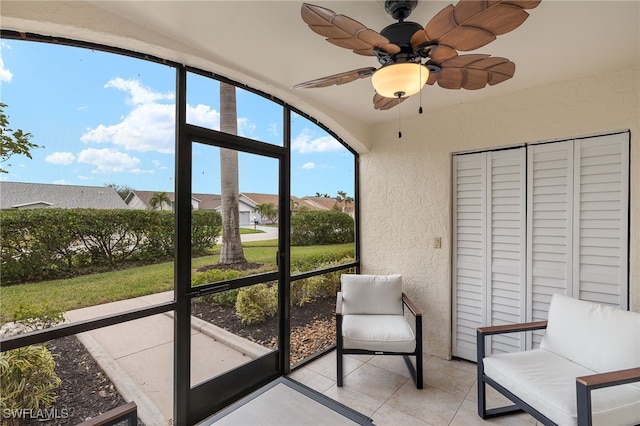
x,y
412,55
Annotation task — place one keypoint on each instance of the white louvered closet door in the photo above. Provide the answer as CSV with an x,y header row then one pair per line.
x,y
601,221
469,264
531,222
549,230
506,246
489,236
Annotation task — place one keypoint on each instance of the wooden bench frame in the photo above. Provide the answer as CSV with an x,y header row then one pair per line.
x,y
584,385
127,412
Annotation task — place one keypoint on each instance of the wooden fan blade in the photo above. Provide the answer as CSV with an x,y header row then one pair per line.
x,y
471,24
336,79
381,103
345,32
473,72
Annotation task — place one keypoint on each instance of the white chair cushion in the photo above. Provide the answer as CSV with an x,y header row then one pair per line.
x,y
388,333
371,294
599,337
547,382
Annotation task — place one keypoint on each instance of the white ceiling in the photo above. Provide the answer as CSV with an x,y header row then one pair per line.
x,y
267,45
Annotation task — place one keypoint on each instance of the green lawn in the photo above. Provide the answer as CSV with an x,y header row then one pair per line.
x,y
89,290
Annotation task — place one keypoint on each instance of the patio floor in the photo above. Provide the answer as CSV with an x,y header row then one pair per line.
x,y
381,388
134,353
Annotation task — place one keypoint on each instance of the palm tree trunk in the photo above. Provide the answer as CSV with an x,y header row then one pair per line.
x,y
231,251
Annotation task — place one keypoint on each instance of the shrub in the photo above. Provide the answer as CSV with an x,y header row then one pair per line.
x,y
225,298
206,226
326,285
27,380
27,376
317,227
257,303
43,244
36,318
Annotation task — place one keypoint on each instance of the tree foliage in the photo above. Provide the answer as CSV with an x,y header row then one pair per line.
x,y
314,227
122,190
268,211
13,142
159,199
40,244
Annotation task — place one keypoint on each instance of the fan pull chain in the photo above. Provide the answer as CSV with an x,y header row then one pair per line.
x,y
399,117
420,109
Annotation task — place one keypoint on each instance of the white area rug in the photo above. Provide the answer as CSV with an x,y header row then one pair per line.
x,y
287,402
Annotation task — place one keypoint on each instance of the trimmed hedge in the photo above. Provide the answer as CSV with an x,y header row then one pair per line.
x,y
318,227
43,244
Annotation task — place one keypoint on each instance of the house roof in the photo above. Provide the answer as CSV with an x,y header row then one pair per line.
x,y
14,195
213,201
207,201
258,198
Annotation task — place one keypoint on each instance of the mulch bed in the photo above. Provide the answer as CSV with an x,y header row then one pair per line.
x,y
87,392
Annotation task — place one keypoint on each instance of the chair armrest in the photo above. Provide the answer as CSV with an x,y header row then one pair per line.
x,y
339,303
511,328
585,384
610,378
412,306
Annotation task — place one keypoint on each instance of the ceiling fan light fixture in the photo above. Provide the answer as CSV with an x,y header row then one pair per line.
x,y
400,80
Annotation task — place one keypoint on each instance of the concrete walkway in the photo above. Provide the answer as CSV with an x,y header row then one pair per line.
x,y
137,356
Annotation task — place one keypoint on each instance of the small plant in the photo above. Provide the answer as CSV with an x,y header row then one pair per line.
x,y
37,318
257,303
214,276
27,381
27,376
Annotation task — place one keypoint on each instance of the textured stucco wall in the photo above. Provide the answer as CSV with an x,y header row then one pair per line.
x,y
406,183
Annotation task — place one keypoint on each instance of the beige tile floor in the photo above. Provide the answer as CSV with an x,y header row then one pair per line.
x,y
381,388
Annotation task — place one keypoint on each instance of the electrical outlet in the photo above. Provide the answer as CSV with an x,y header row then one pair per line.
x,y
437,242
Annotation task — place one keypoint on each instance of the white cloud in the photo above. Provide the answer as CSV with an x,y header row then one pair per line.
x,y
137,171
62,182
308,166
108,160
305,143
203,115
81,177
148,127
245,127
64,158
138,94
273,129
5,75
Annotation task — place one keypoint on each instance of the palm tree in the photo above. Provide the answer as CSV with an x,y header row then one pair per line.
x,y
343,201
269,211
231,251
158,199
293,205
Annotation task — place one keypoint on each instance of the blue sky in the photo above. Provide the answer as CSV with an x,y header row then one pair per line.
x,y
109,119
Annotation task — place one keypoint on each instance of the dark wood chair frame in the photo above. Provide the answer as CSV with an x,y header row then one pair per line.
x,y
584,385
127,412
416,372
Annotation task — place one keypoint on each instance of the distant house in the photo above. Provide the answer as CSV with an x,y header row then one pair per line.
x,y
247,205
141,200
21,195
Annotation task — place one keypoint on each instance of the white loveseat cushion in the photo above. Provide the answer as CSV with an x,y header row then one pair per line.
x,y
547,382
389,333
599,337
371,294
